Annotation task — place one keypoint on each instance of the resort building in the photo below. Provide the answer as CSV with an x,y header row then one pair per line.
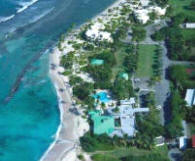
x,y
95,32
118,121
131,102
102,124
190,97
126,118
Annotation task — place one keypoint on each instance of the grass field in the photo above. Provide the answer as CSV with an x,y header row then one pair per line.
x,y
192,128
119,55
119,153
181,6
145,60
188,33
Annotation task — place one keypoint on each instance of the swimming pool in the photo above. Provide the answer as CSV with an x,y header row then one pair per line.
x,y
102,96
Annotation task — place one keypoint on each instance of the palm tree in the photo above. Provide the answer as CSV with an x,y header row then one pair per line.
x,y
103,105
97,101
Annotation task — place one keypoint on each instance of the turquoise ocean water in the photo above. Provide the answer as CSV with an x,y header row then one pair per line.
x,y
29,114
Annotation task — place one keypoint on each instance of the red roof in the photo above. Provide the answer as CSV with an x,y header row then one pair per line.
x,y
193,141
190,70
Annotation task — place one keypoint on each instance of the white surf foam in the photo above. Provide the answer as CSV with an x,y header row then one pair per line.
x,y
25,5
4,19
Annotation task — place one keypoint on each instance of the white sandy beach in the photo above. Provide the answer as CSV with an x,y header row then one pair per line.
x,y
65,146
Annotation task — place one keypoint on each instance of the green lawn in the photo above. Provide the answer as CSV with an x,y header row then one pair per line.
x,y
119,153
145,60
119,55
181,6
122,152
192,128
104,157
188,33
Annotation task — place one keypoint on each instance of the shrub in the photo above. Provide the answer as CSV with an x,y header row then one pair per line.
x,y
139,33
122,89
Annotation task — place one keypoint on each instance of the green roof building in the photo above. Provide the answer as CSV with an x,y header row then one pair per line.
x,y
124,75
97,62
101,124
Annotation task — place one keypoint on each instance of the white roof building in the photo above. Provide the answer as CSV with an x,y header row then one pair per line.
x,y
159,141
126,115
143,13
144,2
190,25
190,97
182,142
159,11
131,101
96,32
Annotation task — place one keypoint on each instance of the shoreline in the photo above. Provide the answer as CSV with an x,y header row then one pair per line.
x,y
62,148
60,140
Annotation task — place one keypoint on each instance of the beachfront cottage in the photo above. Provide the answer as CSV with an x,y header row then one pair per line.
x,y
101,124
190,97
142,14
96,32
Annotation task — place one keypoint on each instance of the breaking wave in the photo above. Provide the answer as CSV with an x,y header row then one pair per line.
x,y
25,5
4,19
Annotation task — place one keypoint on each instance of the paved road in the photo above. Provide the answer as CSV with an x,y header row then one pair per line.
x,y
162,88
173,62
163,94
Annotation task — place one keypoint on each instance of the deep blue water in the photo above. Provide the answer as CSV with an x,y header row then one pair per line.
x,y
29,114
